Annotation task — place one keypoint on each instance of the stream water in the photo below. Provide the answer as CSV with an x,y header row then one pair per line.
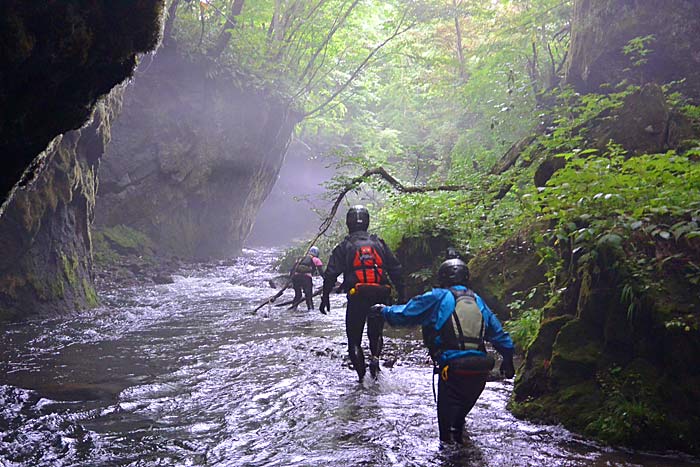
x,y
184,374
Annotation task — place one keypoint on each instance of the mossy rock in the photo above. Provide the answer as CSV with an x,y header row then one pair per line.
x,y
533,377
127,241
575,407
420,256
576,353
498,275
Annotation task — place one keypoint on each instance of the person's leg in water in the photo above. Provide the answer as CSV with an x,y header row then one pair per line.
x,y
456,397
355,316
297,284
308,287
375,330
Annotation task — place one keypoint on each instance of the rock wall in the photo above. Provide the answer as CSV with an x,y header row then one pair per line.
x,y
616,353
601,28
46,265
193,156
56,60
624,370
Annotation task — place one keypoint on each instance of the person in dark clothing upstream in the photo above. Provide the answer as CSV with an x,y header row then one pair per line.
x,y
367,264
301,278
456,322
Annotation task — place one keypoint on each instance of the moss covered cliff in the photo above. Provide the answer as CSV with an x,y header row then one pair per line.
x,y
56,60
615,355
601,53
193,156
45,230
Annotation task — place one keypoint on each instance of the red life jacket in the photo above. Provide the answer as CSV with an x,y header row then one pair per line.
x,y
367,263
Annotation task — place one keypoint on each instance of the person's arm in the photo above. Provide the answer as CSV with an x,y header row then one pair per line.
x,y
500,339
336,263
394,269
420,310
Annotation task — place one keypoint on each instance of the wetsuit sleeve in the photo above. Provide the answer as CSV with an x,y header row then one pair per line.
x,y
420,310
393,267
335,267
494,332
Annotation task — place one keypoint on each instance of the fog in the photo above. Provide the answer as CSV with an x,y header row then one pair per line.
x,y
288,212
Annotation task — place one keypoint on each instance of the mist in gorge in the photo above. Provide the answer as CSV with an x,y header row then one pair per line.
x,y
531,167
292,211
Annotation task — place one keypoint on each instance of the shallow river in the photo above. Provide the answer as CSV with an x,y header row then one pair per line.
x,y
184,374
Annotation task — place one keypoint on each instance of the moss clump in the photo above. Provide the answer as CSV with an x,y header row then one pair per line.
x,y
91,298
128,241
571,406
57,288
70,268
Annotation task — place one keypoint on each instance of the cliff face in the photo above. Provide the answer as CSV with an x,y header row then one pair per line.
x,y
56,60
46,265
602,28
192,158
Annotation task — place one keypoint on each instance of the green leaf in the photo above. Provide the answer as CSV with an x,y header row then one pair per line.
x,y
610,239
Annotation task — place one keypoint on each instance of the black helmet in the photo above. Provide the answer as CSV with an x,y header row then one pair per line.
x,y
453,272
357,218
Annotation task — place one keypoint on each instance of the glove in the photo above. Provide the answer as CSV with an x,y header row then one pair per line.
x,y
375,311
325,306
507,369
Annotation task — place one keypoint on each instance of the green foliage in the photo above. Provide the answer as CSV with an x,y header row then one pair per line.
x,y
630,407
525,324
637,49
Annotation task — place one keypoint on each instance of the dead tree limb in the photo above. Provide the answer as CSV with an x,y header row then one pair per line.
x,y
316,293
352,185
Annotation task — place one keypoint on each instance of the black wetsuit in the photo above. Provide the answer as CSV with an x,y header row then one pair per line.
x,y
341,262
303,283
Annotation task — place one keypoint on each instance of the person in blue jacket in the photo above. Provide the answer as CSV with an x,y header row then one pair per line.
x,y
456,322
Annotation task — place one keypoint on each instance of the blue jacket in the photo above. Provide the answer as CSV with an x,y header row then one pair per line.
x,y
435,307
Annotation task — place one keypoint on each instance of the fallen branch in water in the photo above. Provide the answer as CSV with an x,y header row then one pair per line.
x,y
352,185
290,302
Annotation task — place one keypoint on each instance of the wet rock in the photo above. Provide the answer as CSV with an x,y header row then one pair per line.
x,y
507,273
162,279
420,257
547,168
602,28
57,60
195,190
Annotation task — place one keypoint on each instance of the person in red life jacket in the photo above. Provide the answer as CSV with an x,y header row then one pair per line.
x,y
301,278
456,322
366,264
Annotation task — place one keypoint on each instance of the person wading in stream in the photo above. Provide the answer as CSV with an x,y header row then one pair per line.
x,y
301,278
367,264
456,322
